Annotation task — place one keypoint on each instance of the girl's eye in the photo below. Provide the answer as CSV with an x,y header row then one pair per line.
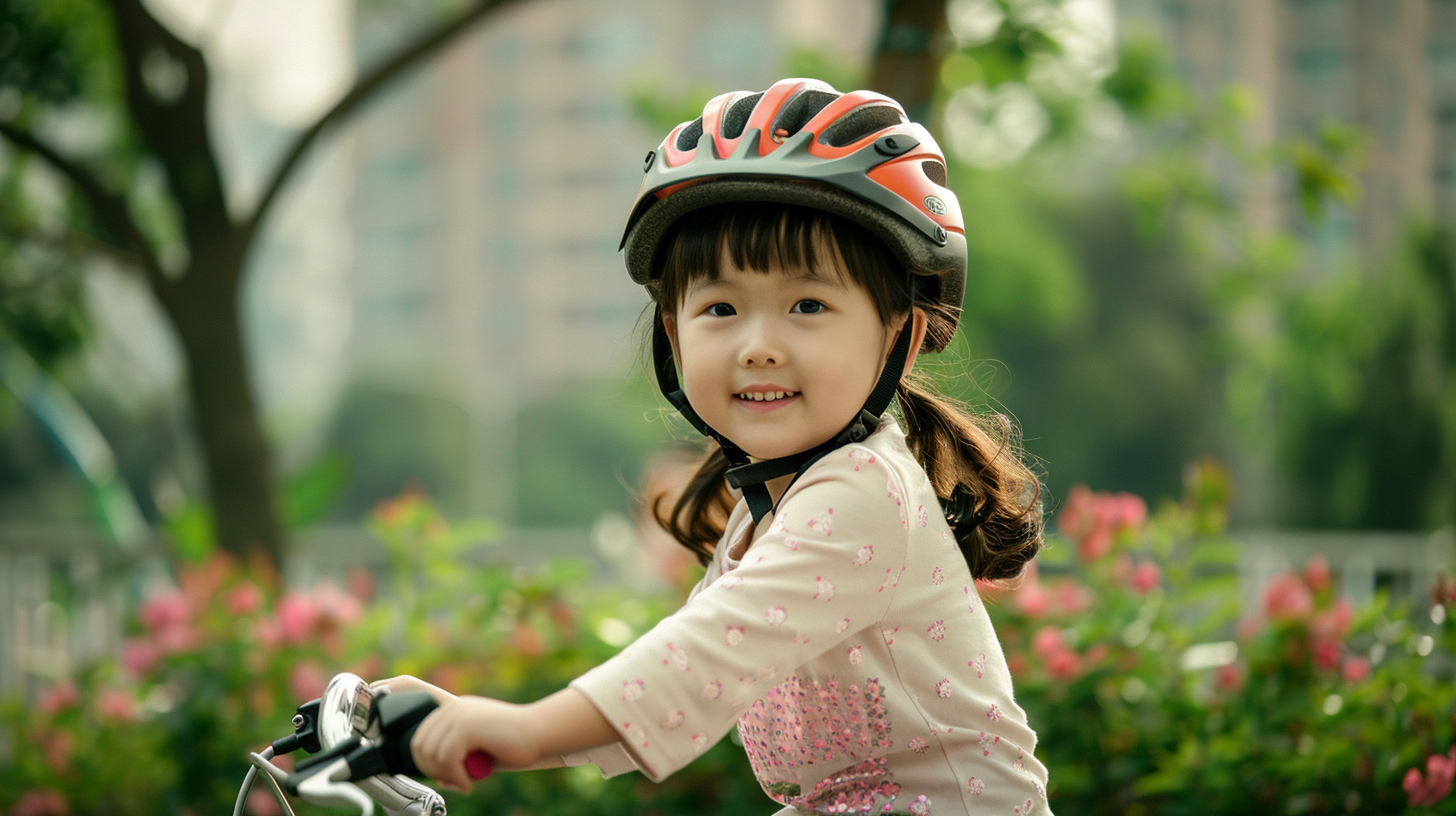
x,y
808,307
721,310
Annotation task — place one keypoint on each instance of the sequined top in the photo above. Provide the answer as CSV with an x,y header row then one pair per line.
x,y
849,645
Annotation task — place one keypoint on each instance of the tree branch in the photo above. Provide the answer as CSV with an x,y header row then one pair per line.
x,y
406,58
72,242
109,208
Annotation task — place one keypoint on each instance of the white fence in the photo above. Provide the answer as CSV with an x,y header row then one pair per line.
x,y
64,594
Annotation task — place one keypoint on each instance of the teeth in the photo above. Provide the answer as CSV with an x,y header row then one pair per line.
x,y
766,396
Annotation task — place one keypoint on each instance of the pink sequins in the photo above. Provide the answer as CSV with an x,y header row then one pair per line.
x,y
730,581
700,742
823,523
937,577
936,630
994,715
893,490
889,635
1024,810
856,654
826,589
971,598
677,656
632,691
979,664
920,807
919,745
923,516
861,455
792,543
988,742
977,787
733,635
841,627
712,691
943,687
776,615
635,733
673,719
813,721
864,555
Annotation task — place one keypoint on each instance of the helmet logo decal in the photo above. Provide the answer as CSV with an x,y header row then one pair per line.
x,y
934,205
779,135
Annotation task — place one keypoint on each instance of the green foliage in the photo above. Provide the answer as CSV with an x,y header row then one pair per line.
x,y
214,666
1173,698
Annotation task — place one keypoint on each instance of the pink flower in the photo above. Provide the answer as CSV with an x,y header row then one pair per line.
x,y
1075,519
1033,601
334,606
57,698
1129,512
139,656
1317,573
1326,654
1287,598
1437,781
1333,623
307,680
1063,664
41,802
1145,576
1355,669
360,583
1072,598
296,617
1229,678
244,599
1047,641
57,747
115,704
262,803
1095,544
164,611
1248,627
180,638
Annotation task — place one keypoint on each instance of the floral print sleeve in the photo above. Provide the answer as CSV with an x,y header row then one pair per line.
x,y
827,567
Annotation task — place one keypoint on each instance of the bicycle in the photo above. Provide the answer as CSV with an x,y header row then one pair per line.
x,y
359,739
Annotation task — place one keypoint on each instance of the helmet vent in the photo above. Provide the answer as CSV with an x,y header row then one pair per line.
x,y
737,116
860,124
935,171
688,139
799,111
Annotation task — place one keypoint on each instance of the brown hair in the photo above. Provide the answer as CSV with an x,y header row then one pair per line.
x,y
975,459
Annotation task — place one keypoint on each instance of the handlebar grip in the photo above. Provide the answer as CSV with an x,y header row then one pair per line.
x,y
479,765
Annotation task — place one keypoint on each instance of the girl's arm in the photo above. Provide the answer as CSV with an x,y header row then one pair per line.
x,y
517,737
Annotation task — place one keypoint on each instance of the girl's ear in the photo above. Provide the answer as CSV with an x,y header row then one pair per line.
x,y
918,327
669,325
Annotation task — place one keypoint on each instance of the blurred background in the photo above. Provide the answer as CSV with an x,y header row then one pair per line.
x,y
269,269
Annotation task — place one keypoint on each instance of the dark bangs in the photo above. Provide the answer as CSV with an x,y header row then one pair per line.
x,y
763,237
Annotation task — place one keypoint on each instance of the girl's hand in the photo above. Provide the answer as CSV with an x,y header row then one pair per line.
x,y
405,682
465,724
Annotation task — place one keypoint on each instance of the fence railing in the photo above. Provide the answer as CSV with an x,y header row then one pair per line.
x,y
65,592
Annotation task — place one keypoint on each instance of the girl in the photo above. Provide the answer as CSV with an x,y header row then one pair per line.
x,y
801,249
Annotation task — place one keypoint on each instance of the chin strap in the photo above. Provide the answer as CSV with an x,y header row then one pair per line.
x,y
750,476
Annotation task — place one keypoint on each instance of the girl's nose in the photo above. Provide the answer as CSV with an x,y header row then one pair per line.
x,y
760,349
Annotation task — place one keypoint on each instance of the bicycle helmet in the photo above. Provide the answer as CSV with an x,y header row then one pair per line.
x,y
855,155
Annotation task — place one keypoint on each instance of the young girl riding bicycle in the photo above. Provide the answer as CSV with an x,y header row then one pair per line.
x,y
801,249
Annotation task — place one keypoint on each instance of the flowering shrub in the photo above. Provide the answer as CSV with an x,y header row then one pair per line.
x,y
1152,689
215,664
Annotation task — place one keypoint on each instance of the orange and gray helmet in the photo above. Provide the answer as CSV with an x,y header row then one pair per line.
x,y
801,142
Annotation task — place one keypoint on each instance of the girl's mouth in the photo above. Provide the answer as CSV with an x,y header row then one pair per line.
x,y
765,396
761,401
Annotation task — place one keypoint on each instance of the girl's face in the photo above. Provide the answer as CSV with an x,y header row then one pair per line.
x,y
780,361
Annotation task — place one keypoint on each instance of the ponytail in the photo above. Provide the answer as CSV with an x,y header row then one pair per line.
x,y
975,467
700,513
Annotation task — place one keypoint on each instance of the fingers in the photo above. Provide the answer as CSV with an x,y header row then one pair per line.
x,y
440,746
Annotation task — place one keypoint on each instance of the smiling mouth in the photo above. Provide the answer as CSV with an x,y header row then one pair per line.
x,y
765,396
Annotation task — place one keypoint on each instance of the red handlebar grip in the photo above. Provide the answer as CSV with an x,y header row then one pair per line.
x,y
479,765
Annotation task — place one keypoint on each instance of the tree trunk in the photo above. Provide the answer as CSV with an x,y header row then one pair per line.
x,y
907,58
237,458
